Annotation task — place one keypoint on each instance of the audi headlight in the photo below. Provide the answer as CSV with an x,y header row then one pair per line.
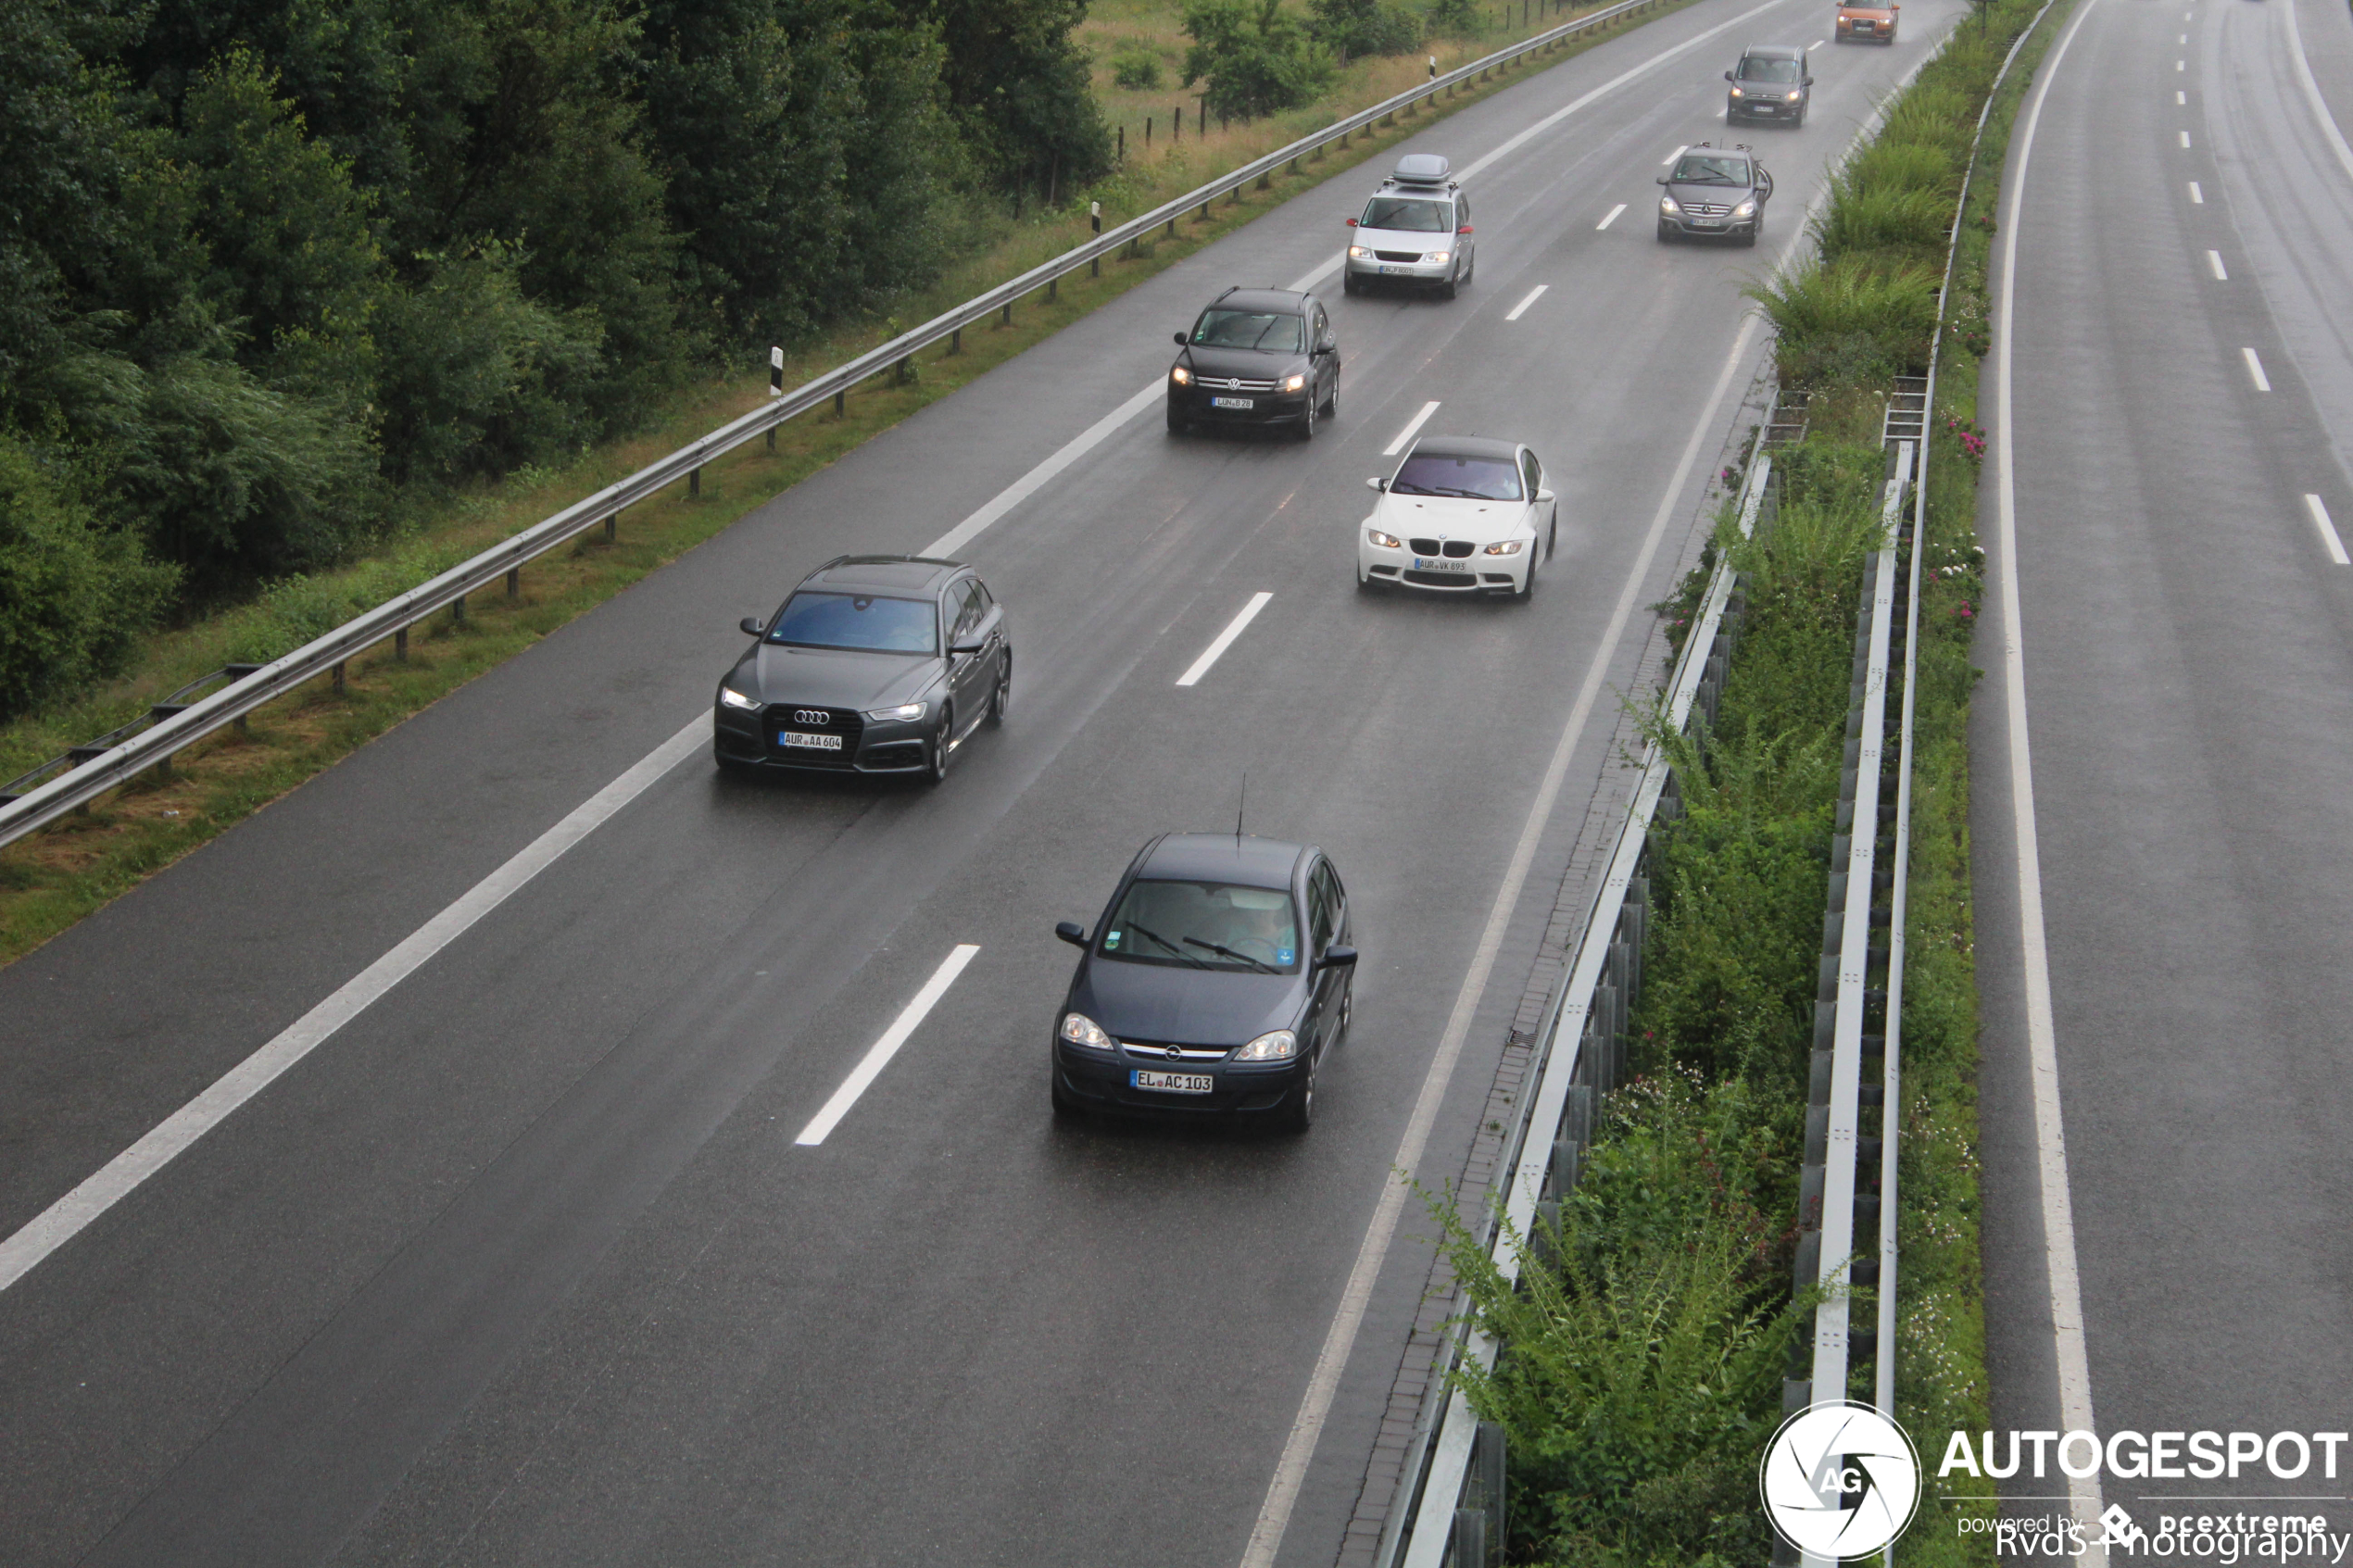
x,y
1081,1030
1360,253
1181,376
734,698
1507,547
1279,1044
1292,384
905,710
1439,256
1666,203
1746,208
1385,541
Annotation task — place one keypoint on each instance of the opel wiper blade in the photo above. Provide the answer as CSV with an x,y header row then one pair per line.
x,y
1146,931
1238,958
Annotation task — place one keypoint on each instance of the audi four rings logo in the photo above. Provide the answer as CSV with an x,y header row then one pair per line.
x,y
810,716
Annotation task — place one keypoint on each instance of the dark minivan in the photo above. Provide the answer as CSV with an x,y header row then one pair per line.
x,y
1216,980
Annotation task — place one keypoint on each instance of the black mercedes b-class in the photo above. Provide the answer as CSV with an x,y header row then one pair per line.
x,y
876,664
1216,981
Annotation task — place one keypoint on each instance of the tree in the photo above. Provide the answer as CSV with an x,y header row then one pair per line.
x,y
1254,55
1018,82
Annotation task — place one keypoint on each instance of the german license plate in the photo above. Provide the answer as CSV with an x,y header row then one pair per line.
x,y
1172,1082
1392,271
808,742
1434,563
1233,402
1707,223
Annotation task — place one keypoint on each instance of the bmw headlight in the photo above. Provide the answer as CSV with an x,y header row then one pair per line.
x,y
1292,384
734,698
1360,253
1746,208
1439,256
1081,1030
1385,541
1666,203
1507,547
1279,1044
905,710
1181,376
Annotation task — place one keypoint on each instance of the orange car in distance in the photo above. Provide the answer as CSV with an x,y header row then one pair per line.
x,y
1861,23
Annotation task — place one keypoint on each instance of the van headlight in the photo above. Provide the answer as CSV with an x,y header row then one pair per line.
x,y
1746,208
1181,376
1279,1044
734,698
1081,1030
1292,384
1360,253
1799,93
1738,93
1439,256
1666,203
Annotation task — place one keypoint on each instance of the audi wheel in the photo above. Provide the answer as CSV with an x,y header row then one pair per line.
x,y
943,745
1002,698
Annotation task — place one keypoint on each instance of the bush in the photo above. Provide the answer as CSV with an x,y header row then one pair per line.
x,y
74,594
1135,68
1254,55
1458,18
1913,224
1357,27
1852,321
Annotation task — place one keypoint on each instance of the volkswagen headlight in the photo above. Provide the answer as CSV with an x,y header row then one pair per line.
x,y
1181,376
1279,1044
905,710
1507,547
1385,541
1799,93
1746,208
1081,1030
1439,256
1738,93
734,698
1360,253
1666,203
1293,383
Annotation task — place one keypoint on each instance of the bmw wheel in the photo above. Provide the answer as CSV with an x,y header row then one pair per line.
x,y
1002,698
943,745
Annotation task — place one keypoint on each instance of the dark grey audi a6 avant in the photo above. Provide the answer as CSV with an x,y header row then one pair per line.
x,y
877,664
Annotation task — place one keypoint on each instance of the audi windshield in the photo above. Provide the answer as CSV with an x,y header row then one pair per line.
x,y
857,622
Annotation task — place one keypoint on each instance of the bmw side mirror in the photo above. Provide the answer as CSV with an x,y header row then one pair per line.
x,y
1337,956
752,628
1351,222
1376,482
1543,497
1180,339
1071,932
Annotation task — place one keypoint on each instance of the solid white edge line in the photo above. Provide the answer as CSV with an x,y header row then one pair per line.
x,y
120,1176
2214,259
2312,95
878,1055
1412,425
2197,197
2255,368
2063,1272
1036,479
2320,511
1234,628
1611,217
1533,295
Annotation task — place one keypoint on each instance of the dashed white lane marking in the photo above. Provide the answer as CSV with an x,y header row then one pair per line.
x,y
2185,138
2183,39
878,1055
1234,628
2255,368
2214,259
2182,98
1673,156
1611,217
1521,309
1815,44
2197,197
1407,433
2320,511
1028,485
2181,65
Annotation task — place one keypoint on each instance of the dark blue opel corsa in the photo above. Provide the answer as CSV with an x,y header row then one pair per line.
x,y
1219,975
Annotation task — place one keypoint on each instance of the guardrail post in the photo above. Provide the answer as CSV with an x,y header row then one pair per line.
x,y
1095,213
338,675
400,645
956,341
1007,321
694,484
841,399
1052,286
457,610
514,582
611,525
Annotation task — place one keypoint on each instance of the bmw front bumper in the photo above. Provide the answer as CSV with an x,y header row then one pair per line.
x,y
1475,573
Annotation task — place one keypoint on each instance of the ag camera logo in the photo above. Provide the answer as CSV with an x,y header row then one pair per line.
x,y
1840,1480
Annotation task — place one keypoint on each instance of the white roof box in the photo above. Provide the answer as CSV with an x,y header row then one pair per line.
x,y
1422,169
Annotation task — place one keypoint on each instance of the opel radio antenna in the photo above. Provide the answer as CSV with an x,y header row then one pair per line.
x,y
1237,808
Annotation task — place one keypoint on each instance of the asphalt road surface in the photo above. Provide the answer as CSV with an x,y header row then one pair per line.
x,y
523,1263
2183,411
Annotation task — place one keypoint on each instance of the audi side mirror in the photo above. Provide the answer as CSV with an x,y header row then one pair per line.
x,y
1376,482
1337,956
1071,932
752,628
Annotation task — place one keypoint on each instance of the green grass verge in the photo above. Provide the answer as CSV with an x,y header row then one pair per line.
x,y
53,878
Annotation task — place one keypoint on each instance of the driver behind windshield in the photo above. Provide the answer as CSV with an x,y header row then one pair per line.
x,y
1700,170
1204,925
1757,68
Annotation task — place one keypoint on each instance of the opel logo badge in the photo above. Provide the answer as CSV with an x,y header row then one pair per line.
x,y
817,716
1175,1054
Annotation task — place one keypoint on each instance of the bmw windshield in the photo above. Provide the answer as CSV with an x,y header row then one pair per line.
x,y
1204,925
857,622
1477,479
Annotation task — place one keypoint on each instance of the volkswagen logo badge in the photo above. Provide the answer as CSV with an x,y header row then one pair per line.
x,y
816,716
1176,1054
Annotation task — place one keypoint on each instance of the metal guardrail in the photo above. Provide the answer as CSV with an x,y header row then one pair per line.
x,y
1580,1053
120,759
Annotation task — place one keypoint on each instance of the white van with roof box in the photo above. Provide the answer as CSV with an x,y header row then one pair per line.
x,y
1415,231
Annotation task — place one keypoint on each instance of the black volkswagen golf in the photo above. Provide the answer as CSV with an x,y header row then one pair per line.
x,y
877,664
1218,977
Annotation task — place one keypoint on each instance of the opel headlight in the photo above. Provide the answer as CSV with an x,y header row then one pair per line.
x,y
1746,208
905,710
1439,256
1385,541
1360,253
1507,547
1181,376
734,698
1081,1030
1666,203
1292,384
1280,1045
